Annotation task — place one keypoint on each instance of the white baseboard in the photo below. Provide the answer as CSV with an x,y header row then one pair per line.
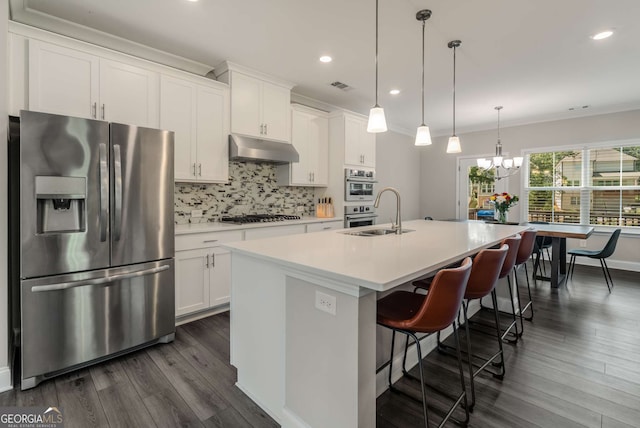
x,y
202,314
291,420
5,379
260,404
427,345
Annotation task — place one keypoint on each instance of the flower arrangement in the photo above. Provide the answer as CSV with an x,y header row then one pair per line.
x,y
503,201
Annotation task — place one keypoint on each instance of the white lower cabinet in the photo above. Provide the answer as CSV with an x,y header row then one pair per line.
x,y
325,225
203,271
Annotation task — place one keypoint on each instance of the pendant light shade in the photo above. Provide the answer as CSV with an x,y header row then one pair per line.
x,y
454,145
454,141
423,135
377,121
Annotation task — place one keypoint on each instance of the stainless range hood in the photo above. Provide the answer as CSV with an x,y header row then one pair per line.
x,y
251,149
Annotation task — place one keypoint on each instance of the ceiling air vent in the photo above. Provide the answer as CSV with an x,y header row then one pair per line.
x,y
342,86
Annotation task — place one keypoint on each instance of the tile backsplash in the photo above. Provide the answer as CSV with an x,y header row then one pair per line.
x,y
252,188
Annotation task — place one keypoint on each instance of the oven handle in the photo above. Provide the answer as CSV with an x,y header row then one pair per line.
x,y
356,180
360,216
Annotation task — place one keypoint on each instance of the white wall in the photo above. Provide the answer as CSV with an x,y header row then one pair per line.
x,y
398,165
5,375
438,170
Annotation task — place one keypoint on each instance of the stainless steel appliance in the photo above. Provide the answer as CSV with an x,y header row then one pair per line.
x,y
359,185
92,222
258,218
359,215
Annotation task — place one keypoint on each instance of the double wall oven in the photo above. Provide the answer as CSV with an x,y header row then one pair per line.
x,y
359,186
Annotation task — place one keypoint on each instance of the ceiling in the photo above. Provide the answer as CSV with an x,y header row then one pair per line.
x,y
534,57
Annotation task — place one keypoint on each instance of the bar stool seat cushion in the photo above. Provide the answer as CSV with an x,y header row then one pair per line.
x,y
398,307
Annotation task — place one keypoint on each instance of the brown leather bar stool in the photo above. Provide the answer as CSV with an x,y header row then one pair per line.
x,y
411,313
509,262
527,247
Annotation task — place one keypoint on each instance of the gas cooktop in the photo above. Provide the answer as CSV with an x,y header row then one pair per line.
x,y
258,218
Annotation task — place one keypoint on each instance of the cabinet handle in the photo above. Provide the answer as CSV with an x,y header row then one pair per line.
x,y
194,169
313,177
326,228
200,169
213,260
266,130
262,129
95,110
102,111
207,261
209,241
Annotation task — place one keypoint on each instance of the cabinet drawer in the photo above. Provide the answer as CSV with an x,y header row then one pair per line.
x,y
206,239
270,232
328,225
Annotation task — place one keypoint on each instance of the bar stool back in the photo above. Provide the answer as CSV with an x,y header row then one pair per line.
x,y
410,313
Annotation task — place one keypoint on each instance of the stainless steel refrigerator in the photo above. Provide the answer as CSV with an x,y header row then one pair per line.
x,y
92,239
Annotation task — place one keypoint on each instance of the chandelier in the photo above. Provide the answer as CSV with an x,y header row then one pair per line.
x,y
504,167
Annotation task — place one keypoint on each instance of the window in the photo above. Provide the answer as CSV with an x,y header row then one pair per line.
x,y
598,186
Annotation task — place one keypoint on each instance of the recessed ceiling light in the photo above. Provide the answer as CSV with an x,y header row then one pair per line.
x,y
394,91
326,58
193,1
602,35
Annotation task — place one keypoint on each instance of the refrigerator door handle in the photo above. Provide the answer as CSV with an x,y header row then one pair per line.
x,y
117,215
73,284
104,192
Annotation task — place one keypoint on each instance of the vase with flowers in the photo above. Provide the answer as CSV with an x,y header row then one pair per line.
x,y
502,202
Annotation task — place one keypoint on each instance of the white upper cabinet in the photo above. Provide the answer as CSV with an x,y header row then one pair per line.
x,y
359,145
72,82
310,137
62,81
128,94
259,104
199,115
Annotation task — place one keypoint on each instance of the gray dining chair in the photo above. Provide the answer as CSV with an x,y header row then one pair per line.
x,y
601,255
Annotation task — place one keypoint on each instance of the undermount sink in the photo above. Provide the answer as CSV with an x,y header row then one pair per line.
x,y
375,232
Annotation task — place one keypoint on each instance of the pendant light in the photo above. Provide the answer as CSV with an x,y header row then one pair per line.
x,y
423,136
377,122
454,142
510,166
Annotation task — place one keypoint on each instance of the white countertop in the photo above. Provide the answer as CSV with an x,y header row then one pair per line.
x,y
378,262
183,229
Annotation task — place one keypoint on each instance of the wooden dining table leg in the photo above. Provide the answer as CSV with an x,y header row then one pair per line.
x,y
558,261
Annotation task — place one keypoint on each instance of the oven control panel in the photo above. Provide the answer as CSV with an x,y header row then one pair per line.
x,y
361,209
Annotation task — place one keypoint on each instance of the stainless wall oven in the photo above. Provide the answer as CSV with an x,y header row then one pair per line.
x,y
357,216
359,185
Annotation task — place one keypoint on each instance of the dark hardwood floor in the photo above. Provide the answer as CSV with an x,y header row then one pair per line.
x,y
577,365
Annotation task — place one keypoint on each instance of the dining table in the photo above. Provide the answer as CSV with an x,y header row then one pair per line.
x,y
559,232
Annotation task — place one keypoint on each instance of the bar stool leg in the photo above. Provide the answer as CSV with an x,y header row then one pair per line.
x,y
496,313
515,274
513,314
470,355
393,342
464,389
530,304
422,384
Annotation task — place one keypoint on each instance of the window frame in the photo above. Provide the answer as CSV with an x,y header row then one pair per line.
x,y
585,189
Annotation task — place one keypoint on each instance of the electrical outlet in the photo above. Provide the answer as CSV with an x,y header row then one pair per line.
x,y
583,243
196,213
326,303
300,208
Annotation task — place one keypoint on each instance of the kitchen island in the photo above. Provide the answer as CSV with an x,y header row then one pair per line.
x,y
303,313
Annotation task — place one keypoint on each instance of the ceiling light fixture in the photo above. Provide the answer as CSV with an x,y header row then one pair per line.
x,y
326,58
602,35
510,166
377,121
423,135
453,146
394,91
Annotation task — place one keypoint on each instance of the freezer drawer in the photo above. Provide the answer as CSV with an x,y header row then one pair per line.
x,y
71,320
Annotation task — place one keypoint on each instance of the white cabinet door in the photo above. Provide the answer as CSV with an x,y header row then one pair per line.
x,y
368,147
352,131
177,114
211,134
128,94
276,102
220,279
246,116
324,226
192,281
62,81
300,171
319,150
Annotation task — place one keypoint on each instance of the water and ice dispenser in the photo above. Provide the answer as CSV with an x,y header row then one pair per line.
x,y
61,203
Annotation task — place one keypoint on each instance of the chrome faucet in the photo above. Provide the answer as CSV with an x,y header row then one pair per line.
x,y
398,225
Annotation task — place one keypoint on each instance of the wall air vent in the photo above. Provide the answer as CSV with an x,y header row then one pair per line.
x,y
341,86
